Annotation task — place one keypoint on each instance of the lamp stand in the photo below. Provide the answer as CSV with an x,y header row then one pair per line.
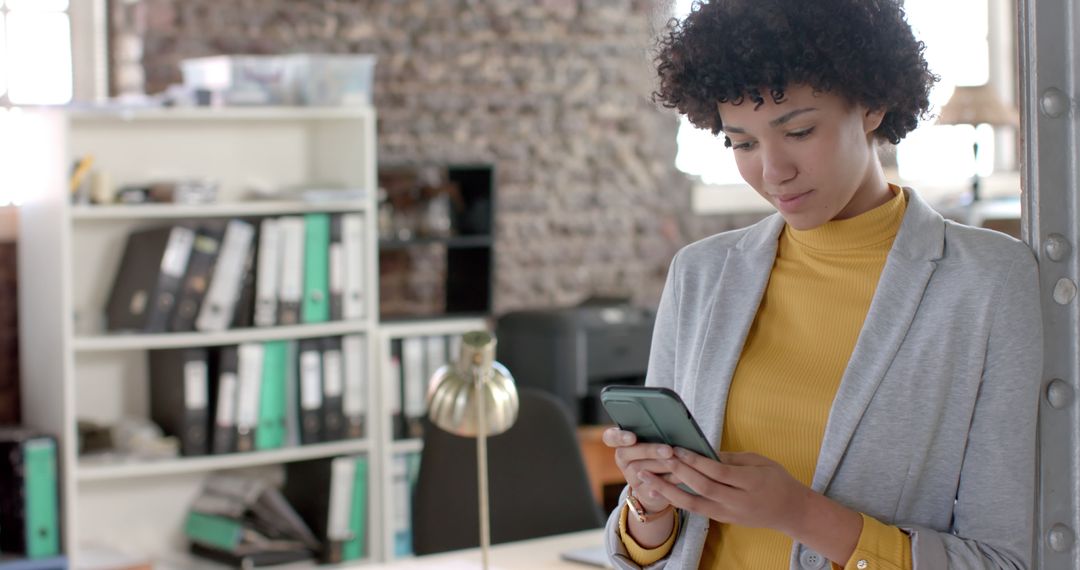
x,y
975,176
482,467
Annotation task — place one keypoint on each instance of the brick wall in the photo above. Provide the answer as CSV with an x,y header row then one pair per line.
x,y
554,93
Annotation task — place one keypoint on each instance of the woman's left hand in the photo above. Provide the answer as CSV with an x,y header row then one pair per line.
x,y
745,489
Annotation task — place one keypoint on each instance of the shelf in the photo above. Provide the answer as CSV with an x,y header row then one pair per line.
x,y
102,343
430,326
188,114
233,209
406,446
449,242
175,466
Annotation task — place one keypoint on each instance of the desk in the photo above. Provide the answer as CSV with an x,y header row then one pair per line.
x,y
535,554
599,463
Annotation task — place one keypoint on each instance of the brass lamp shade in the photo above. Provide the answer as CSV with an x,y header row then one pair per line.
x,y
453,399
977,105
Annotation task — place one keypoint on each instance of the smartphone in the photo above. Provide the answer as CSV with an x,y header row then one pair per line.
x,y
655,415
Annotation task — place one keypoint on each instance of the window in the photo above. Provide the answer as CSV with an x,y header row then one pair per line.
x,y
959,54
35,52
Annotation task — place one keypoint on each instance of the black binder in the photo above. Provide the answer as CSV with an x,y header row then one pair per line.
x,y
146,286
333,377
311,391
310,488
336,267
244,314
200,267
227,394
400,425
179,396
254,501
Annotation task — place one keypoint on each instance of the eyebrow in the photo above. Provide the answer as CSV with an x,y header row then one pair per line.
x,y
775,122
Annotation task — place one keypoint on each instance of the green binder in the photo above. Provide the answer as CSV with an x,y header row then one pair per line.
x,y
42,509
271,431
214,531
354,548
316,304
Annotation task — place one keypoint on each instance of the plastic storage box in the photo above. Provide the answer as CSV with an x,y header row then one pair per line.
x,y
332,79
243,79
297,79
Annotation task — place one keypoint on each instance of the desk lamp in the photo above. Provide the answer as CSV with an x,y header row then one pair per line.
x,y
976,105
475,397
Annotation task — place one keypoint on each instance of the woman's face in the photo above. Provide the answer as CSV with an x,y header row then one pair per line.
x,y
811,156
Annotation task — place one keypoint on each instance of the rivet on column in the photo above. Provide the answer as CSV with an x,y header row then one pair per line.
x,y
1060,538
1053,102
1057,247
1059,393
1064,291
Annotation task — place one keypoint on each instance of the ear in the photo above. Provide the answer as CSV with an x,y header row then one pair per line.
x,y
872,119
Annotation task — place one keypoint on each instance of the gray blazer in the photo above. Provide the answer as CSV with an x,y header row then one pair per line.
x,y
933,426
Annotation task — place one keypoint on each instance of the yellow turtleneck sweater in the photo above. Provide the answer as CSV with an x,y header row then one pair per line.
x,y
799,344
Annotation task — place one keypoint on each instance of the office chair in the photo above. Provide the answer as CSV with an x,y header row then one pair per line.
x,y
538,484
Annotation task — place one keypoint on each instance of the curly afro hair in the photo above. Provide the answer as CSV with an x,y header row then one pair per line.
x,y
732,50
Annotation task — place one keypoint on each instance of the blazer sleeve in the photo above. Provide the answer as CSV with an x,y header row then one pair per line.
x,y
660,373
994,510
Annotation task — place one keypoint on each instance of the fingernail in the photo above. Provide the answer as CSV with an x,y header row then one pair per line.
x,y
627,438
682,453
664,451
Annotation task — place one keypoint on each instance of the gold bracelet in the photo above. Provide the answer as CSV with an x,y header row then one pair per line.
x,y
639,510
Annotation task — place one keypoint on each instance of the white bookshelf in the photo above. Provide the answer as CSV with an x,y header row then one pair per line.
x,y
387,332
73,369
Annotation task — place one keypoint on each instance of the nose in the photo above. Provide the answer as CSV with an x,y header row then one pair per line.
x,y
777,167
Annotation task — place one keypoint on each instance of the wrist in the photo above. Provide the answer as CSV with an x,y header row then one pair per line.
x,y
643,512
803,514
826,526
648,535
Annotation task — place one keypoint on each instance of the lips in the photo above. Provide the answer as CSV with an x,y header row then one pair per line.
x,y
788,198
791,203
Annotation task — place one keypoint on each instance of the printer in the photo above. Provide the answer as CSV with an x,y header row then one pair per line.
x,y
574,352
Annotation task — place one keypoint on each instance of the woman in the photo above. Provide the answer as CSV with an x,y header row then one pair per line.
x,y
869,371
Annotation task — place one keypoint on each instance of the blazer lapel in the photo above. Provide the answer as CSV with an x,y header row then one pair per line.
x,y
735,301
919,243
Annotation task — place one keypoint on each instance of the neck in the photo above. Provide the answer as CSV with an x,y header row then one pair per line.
x,y
873,191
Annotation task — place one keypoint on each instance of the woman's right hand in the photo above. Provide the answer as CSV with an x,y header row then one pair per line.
x,y
632,458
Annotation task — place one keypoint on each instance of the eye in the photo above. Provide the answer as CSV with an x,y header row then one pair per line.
x,y
799,135
748,145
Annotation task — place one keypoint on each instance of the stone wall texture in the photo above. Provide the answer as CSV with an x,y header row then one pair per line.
x,y
554,93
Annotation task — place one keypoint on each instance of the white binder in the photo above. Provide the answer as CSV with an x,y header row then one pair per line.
x,y
291,272
352,240
266,273
219,304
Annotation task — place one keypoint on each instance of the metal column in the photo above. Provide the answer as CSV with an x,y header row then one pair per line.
x,y
1048,50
